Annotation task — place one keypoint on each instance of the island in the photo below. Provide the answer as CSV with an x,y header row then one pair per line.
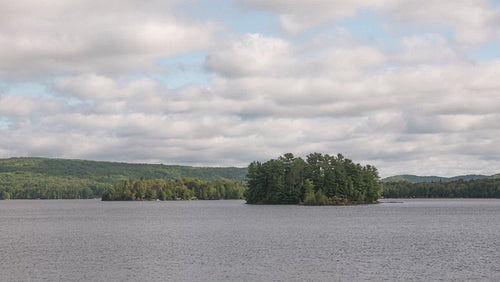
x,y
320,179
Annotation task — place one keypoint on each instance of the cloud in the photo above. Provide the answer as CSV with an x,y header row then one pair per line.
x,y
23,107
428,49
473,22
99,87
296,16
252,54
419,105
85,36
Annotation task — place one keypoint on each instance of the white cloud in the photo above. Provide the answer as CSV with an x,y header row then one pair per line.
x,y
252,54
419,107
428,49
296,15
98,87
473,21
22,107
85,36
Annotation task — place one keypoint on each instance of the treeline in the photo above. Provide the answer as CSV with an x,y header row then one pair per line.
x,y
42,178
38,186
415,178
179,189
478,188
318,180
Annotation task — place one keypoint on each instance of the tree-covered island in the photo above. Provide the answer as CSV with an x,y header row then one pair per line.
x,y
318,180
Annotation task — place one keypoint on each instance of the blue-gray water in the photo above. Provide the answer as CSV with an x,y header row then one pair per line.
x,y
90,240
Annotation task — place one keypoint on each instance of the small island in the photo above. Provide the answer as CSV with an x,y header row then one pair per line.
x,y
318,180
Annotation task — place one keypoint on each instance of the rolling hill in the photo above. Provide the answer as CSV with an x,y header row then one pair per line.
x,y
61,178
45,178
420,179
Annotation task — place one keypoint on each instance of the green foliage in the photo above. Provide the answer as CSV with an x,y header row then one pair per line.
x,y
4,195
28,185
320,180
185,189
495,176
41,178
480,188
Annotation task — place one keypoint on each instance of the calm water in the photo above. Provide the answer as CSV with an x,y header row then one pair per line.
x,y
90,240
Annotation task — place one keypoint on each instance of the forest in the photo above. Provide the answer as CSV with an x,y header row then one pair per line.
x,y
475,188
178,189
318,180
43,178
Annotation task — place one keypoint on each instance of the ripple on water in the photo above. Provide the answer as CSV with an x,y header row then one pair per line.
x,y
417,240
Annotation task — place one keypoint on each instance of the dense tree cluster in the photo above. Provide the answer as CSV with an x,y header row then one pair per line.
x,y
479,188
318,180
37,186
185,189
42,178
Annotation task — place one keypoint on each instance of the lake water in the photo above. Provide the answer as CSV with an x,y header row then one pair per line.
x,y
90,240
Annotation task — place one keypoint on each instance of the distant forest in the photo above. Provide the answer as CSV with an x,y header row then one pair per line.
x,y
416,178
476,188
42,178
179,189
318,180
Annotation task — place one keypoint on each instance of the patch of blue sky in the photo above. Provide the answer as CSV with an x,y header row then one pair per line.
x,y
3,86
232,17
72,101
486,52
4,123
422,29
257,22
495,3
182,70
374,29
34,89
365,27
368,27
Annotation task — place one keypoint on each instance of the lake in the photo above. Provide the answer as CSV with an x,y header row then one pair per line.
x,y
90,240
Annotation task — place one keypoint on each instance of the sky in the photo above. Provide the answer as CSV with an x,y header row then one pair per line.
x,y
409,86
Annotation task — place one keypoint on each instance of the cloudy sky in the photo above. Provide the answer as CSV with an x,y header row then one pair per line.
x,y
410,86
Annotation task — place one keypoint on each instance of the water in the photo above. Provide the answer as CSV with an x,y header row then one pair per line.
x,y
90,240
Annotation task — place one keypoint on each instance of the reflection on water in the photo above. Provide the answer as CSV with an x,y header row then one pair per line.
x,y
90,240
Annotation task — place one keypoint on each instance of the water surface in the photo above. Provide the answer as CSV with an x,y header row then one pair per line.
x,y
90,240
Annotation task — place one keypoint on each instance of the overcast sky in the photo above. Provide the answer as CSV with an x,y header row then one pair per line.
x,y
410,86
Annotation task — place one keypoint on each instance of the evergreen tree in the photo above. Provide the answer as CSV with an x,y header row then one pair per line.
x,y
321,180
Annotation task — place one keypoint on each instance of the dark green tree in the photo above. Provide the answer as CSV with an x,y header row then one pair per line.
x,y
321,180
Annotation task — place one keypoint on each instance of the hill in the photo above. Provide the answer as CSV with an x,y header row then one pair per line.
x,y
474,188
45,178
420,179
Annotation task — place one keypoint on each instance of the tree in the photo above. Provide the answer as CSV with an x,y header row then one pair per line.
x,y
5,195
186,188
322,179
479,188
